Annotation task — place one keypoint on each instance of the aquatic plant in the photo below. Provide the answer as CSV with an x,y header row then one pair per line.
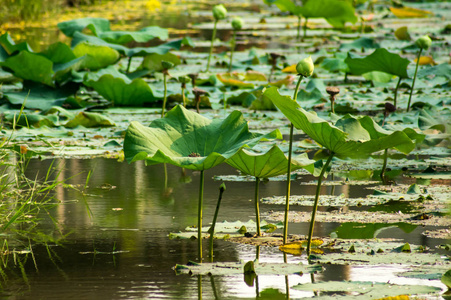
x,y
348,137
265,165
423,43
166,66
188,140
219,13
183,81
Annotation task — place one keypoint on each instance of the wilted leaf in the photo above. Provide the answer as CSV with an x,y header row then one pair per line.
x,y
410,12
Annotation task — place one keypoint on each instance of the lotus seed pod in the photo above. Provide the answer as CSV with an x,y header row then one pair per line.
x,y
424,42
184,79
237,23
219,12
305,67
167,65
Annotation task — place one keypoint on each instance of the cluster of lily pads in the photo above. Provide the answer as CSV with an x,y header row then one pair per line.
x,y
98,70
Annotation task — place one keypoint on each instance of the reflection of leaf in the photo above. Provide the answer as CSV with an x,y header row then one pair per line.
x,y
355,230
410,12
174,139
446,279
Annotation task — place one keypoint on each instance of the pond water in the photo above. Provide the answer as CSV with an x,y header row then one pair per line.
x,y
120,249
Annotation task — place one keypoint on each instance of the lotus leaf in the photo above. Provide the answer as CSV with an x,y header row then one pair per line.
x,y
96,25
153,61
11,48
360,44
349,137
89,119
186,139
336,12
97,56
141,36
59,53
380,60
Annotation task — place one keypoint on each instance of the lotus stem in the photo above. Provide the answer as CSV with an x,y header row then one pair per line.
x,y
305,29
384,166
165,78
232,48
213,287
290,148
212,228
129,64
414,77
315,204
257,209
183,95
199,213
396,91
211,46
299,28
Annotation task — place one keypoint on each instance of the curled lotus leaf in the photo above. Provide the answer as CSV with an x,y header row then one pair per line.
x,y
189,140
269,164
349,137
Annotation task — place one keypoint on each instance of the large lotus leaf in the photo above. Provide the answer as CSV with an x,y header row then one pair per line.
x,y
153,61
234,268
31,66
144,35
349,137
138,51
59,53
359,44
96,25
336,12
10,48
380,60
365,289
89,119
268,164
187,139
97,56
41,97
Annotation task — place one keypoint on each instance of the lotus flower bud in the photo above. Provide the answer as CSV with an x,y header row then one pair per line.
x,y
424,42
167,65
219,12
237,23
305,67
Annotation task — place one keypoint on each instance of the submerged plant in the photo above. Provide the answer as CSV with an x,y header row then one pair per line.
x,y
188,140
265,165
423,43
219,13
348,137
237,24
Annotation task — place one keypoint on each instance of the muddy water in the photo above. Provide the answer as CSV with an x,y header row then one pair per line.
x,y
117,244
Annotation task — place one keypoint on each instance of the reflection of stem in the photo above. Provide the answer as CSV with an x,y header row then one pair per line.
x,y
346,77
315,205
414,77
257,257
211,46
212,228
257,252
232,48
199,213
290,148
384,166
165,93
199,287
287,284
332,190
257,210
396,91
213,287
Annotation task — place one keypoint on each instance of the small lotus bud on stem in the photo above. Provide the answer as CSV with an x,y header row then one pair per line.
x,y
305,67
198,93
333,91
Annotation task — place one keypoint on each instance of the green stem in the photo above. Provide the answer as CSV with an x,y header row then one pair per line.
x,y
332,105
315,205
290,148
165,176
231,50
199,213
165,93
305,29
199,287
129,64
299,28
346,77
183,97
414,77
257,209
213,287
213,225
384,166
211,46
396,91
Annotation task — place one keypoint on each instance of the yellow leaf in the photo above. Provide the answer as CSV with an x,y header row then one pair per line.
x,y
410,12
402,34
426,60
286,81
232,79
290,69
